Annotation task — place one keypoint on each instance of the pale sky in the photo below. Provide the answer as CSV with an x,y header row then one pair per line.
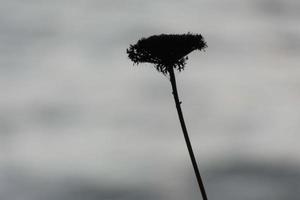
x,y
76,117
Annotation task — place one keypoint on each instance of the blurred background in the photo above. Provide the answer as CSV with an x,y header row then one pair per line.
x,y
79,121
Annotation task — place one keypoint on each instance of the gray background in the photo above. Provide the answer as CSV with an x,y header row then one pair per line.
x,y
79,121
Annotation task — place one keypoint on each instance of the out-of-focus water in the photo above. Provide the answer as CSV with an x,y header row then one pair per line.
x,y
78,121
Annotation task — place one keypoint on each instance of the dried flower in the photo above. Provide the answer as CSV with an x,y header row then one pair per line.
x,y
166,50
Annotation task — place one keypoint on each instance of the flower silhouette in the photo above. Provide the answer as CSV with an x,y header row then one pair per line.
x,y
166,50
169,52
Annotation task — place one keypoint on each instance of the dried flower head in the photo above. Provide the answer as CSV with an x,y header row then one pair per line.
x,y
166,50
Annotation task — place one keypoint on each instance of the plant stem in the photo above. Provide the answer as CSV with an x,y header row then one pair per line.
x,y
185,133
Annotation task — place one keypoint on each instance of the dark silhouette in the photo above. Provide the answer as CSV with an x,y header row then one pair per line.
x,y
167,52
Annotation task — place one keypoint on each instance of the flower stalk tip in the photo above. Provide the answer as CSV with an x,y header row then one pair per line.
x,y
166,50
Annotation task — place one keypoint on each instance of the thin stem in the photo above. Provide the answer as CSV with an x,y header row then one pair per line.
x,y
185,133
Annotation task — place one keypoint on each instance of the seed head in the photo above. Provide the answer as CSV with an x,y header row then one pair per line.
x,y
166,50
